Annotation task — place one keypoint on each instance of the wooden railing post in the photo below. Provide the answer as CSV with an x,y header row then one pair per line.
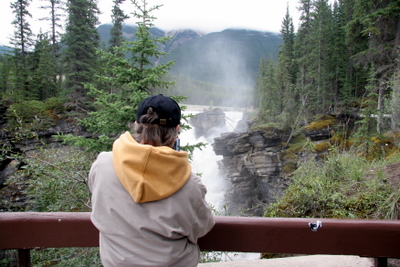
x,y
24,258
380,262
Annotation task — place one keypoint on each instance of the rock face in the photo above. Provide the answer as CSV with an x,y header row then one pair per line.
x,y
252,164
16,146
205,122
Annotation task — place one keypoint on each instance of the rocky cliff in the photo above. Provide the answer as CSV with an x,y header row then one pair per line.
x,y
16,145
205,122
255,162
252,164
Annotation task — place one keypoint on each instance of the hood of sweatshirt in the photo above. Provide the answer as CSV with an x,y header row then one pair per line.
x,y
149,173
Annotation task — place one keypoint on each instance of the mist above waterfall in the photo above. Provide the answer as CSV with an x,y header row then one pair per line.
x,y
220,69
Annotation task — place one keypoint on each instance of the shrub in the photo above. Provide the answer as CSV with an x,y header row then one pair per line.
x,y
33,114
321,123
58,182
58,179
322,147
343,186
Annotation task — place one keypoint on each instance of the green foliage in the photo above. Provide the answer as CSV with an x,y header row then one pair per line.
x,y
361,138
22,42
6,73
212,256
343,186
118,17
124,83
44,70
79,257
320,123
58,180
34,115
81,40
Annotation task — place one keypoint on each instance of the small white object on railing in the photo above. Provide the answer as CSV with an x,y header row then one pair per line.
x,y
314,226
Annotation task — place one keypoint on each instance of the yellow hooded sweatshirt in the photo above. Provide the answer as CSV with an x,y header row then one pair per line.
x,y
148,206
149,173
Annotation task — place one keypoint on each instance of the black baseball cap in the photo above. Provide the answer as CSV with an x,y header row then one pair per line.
x,y
168,110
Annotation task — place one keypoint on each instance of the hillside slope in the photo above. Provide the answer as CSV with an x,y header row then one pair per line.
x,y
230,57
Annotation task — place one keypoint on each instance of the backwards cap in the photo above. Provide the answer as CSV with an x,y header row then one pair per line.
x,y
168,110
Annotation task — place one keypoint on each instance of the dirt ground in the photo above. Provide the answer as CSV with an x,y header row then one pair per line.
x,y
393,174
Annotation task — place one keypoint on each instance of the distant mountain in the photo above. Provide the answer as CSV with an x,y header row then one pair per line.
x,y
180,38
128,31
4,49
230,57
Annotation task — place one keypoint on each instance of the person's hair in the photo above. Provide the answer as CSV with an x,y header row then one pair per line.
x,y
153,134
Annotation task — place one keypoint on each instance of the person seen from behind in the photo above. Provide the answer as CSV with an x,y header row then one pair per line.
x,y
148,206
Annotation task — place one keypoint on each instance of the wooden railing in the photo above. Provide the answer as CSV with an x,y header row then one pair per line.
x,y
379,239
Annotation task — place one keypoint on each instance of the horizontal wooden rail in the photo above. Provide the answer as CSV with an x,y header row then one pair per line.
x,y
47,230
369,238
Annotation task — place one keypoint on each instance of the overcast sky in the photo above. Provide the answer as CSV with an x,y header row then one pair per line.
x,y
203,15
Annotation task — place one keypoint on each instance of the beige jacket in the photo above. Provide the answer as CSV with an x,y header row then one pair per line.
x,y
148,206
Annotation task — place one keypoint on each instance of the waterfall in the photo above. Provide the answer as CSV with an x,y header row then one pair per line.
x,y
205,162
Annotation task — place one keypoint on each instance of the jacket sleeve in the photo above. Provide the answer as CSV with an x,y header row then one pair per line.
x,y
92,172
203,219
91,177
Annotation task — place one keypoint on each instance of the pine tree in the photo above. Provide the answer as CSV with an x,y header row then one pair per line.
x,y
81,41
118,18
5,74
378,22
56,10
22,39
287,49
356,74
286,73
395,102
268,94
22,42
43,69
337,61
134,77
303,48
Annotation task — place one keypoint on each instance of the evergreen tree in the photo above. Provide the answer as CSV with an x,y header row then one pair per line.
x,y
356,74
338,59
22,42
56,10
22,39
322,25
313,54
132,78
303,48
81,41
43,69
286,73
378,23
268,95
287,49
118,18
5,74
395,121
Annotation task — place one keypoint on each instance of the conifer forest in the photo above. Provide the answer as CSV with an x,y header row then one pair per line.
x,y
341,63
341,57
